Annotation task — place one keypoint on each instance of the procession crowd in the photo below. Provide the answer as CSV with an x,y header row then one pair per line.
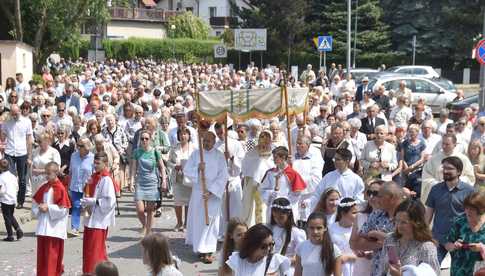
x,y
351,189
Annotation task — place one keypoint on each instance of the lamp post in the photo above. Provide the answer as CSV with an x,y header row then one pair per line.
x,y
349,37
173,27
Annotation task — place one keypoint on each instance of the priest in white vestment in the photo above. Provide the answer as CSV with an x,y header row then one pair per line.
x,y
308,162
201,236
232,200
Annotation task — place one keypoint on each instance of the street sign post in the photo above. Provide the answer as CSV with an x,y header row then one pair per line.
x,y
325,44
220,51
480,51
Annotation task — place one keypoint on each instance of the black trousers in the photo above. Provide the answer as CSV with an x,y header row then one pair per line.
x,y
8,217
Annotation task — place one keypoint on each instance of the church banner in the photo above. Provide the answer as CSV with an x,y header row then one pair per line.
x,y
240,104
297,100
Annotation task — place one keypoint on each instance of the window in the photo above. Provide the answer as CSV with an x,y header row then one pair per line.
x,y
405,71
212,11
420,71
190,9
423,86
218,33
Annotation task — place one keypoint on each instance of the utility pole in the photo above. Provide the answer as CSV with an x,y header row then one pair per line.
x,y
355,32
349,19
414,49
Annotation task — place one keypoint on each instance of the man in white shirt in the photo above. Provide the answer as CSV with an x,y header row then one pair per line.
x,y
17,133
430,138
62,117
343,179
8,199
23,87
99,201
51,205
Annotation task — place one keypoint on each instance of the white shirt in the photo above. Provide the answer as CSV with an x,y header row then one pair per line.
x,y
52,223
65,120
279,235
16,133
103,215
311,262
241,267
347,183
8,188
401,115
341,237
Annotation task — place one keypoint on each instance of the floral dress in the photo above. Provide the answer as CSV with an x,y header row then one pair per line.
x,y
463,260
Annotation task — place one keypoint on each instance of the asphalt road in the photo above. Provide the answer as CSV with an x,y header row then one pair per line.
x,y
19,257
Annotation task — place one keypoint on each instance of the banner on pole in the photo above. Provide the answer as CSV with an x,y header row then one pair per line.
x,y
297,100
240,104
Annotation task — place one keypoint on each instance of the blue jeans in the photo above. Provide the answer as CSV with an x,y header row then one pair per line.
x,y
76,209
18,166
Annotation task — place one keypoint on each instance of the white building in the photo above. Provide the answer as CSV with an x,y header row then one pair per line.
x,y
217,13
15,57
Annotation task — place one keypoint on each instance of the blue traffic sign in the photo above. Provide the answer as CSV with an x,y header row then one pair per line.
x,y
480,52
325,43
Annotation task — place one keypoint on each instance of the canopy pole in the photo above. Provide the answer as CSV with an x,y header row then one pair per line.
x,y
201,171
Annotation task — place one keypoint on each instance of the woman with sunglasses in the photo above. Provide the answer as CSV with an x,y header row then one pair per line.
x,y
147,167
363,264
255,257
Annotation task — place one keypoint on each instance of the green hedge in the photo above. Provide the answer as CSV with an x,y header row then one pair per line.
x,y
188,50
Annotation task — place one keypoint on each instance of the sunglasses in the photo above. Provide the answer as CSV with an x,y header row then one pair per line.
x,y
371,193
61,110
80,145
46,116
145,138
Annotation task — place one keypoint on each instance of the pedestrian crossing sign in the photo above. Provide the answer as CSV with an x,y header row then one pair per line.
x,y
325,43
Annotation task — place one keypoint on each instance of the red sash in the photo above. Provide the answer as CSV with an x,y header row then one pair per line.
x,y
61,197
93,182
296,181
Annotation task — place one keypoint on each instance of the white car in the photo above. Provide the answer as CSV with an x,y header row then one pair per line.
x,y
435,92
419,70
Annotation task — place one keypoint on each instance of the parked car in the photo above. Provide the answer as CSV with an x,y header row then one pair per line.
x,y
359,73
457,108
420,70
435,93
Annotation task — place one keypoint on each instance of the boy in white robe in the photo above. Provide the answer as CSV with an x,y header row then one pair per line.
x,y
100,201
51,205
281,181
202,236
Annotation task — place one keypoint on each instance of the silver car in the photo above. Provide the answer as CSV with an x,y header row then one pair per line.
x,y
418,70
436,93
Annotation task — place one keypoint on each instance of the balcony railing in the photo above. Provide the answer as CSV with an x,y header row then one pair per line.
x,y
156,15
221,21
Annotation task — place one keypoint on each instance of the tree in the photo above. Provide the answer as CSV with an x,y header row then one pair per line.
x,y
444,29
329,17
187,25
283,19
49,24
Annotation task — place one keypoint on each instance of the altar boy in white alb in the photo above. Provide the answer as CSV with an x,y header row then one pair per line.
x,y
202,237
51,207
282,181
100,201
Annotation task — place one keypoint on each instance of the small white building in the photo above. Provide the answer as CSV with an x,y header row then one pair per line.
x,y
15,57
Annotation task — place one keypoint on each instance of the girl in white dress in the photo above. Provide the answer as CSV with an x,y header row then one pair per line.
x,y
156,255
318,255
328,204
255,257
286,235
341,230
232,243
